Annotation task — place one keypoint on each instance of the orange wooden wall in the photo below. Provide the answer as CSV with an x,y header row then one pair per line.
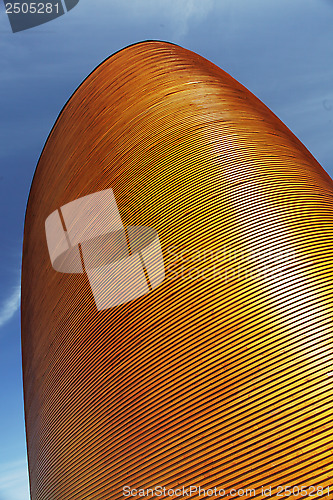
x,y
221,376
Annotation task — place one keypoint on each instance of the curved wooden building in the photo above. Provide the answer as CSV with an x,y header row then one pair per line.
x,y
221,376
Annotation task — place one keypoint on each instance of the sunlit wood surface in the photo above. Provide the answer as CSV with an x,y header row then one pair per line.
x,y
222,376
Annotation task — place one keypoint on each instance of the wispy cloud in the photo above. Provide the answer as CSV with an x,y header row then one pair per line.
x,y
176,16
10,305
14,481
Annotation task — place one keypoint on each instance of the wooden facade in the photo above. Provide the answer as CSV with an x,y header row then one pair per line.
x,y
222,376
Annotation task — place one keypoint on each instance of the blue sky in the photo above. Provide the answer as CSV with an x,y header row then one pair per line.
x,y
281,50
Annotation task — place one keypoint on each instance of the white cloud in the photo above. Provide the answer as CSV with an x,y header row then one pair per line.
x,y
178,16
184,13
10,306
14,481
